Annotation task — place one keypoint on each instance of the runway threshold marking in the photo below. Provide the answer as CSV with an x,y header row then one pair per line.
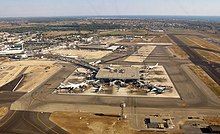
x,y
32,124
45,124
8,119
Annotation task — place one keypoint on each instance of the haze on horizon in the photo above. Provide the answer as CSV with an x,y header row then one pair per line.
x,y
44,8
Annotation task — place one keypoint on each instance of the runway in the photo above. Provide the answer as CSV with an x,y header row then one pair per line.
x,y
211,70
28,123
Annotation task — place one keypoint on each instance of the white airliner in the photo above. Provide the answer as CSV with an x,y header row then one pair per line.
x,y
109,67
95,63
158,90
72,86
152,67
98,89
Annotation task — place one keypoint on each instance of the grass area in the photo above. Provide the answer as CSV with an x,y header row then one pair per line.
x,y
3,112
197,42
177,51
211,35
123,33
206,79
62,33
187,40
203,43
210,56
161,39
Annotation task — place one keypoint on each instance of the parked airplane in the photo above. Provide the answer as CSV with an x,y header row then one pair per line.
x,y
80,73
72,86
158,90
109,67
98,89
118,83
140,84
152,67
95,63
93,82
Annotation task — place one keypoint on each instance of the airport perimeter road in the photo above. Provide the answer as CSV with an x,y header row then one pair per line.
x,y
29,123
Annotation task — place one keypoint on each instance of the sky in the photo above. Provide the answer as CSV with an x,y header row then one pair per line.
x,y
44,8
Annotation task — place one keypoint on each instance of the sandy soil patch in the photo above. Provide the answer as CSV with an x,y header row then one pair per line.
x,y
37,72
3,112
9,73
85,123
87,54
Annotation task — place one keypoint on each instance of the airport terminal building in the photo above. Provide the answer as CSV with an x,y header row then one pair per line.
x,y
119,73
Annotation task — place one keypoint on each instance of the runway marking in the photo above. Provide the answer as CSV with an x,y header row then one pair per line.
x,y
8,119
32,124
45,124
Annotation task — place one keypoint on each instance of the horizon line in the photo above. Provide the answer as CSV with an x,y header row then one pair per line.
x,y
107,16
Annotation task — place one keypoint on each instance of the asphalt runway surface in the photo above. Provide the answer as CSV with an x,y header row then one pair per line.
x,y
12,84
210,69
22,122
6,98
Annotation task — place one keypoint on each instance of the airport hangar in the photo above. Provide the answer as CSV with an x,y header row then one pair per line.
x,y
126,74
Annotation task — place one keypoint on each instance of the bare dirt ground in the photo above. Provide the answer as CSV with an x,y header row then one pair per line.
x,y
9,72
87,54
3,112
86,123
212,120
37,71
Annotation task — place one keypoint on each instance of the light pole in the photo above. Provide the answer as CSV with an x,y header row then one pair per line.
x,y
122,105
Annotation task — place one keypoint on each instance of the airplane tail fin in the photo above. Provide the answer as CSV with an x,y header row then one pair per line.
x,y
61,84
70,83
